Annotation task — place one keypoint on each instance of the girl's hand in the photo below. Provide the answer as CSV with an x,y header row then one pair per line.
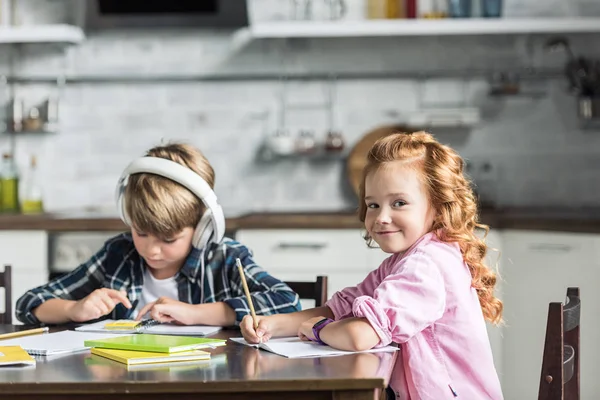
x,y
305,332
97,304
263,333
166,310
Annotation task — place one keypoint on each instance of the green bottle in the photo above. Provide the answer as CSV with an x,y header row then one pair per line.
x,y
31,202
9,184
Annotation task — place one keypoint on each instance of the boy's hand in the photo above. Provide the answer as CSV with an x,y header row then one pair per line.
x,y
262,333
97,304
168,310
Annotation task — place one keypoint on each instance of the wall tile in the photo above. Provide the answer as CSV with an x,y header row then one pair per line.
x,y
539,154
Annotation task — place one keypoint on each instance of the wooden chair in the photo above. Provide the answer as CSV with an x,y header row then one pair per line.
x,y
560,364
6,283
316,291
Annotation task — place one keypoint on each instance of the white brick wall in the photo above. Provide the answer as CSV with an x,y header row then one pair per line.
x,y
539,155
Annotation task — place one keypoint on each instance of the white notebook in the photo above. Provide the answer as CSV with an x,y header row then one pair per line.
x,y
160,329
50,344
293,347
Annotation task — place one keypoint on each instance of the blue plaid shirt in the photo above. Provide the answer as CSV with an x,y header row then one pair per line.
x,y
206,277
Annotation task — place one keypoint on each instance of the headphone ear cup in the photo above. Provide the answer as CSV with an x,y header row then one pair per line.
x,y
204,230
121,207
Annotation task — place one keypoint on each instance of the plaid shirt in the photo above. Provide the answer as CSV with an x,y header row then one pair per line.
x,y
206,277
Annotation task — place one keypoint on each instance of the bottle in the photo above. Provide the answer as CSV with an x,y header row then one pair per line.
x,y
385,9
9,184
32,191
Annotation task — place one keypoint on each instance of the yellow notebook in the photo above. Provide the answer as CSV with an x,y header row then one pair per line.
x,y
15,355
131,357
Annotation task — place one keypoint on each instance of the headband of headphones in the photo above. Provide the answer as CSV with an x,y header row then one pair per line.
x,y
182,175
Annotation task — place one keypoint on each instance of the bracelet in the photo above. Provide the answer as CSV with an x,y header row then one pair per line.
x,y
318,327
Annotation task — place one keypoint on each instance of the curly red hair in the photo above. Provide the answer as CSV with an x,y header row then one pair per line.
x,y
451,196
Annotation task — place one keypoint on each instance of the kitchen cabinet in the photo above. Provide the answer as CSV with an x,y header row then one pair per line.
x,y
493,260
537,268
27,253
294,254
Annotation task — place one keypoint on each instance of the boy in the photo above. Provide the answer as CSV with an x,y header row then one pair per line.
x,y
174,265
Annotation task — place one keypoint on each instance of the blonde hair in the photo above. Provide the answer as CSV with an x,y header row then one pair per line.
x,y
161,207
452,198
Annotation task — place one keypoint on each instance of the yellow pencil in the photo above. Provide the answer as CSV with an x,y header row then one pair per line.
x,y
243,277
23,333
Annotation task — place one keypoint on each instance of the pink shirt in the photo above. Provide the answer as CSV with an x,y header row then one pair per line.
x,y
422,299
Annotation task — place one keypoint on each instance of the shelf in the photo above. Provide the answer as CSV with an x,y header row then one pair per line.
x,y
415,27
64,34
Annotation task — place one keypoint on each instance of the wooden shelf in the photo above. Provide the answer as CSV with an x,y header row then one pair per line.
x,y
63,34
415,27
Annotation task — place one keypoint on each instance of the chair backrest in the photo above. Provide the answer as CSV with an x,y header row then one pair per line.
x,y
560,363
316,291
6,283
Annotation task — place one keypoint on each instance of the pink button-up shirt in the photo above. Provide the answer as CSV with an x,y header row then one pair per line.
x,y
423,300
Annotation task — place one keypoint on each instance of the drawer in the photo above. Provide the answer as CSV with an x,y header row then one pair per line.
x,y
549,244
23,281
24,250
320,251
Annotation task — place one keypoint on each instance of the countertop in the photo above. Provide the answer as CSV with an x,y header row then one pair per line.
x,y
545,219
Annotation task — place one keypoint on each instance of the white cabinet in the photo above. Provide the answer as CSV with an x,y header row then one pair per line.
x,y
27,253
537,269
493,260
294,254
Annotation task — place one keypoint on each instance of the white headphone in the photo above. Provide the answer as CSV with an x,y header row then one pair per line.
x,y
211,227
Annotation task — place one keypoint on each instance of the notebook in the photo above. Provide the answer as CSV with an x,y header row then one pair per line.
x,y
130,326
15,355
155,343
162,366
130,357
293,347
50,344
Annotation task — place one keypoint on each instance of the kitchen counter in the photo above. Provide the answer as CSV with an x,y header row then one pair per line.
x,y
583,220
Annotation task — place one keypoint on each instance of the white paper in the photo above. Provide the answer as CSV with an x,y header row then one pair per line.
x,y
293,347
162,329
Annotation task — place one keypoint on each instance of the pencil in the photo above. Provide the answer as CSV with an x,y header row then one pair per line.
x,y
23,333
243,277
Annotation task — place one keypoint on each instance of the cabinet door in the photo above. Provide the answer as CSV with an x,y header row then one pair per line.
x,y
316,250
27,253
538,268
493,260
290,254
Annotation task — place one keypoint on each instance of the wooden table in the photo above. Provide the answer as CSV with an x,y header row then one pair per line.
x,y
234,372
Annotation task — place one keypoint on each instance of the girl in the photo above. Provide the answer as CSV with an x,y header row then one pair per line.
x,y
431,295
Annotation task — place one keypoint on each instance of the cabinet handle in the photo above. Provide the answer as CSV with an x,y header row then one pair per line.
x,y
551,247
303,246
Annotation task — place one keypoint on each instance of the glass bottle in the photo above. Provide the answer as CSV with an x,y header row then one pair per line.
x,y
32,191
9,184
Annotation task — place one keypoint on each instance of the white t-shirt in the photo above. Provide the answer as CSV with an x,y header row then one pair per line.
x,y
153,288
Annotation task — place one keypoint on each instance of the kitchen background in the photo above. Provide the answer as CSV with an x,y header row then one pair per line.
x,y
527,150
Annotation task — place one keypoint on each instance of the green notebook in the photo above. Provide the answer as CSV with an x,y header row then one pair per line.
x,y
155,343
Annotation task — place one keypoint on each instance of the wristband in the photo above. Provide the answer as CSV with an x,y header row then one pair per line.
x,y
317,328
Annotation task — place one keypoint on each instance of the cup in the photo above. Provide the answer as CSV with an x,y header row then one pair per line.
x,y
459,8
491,8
